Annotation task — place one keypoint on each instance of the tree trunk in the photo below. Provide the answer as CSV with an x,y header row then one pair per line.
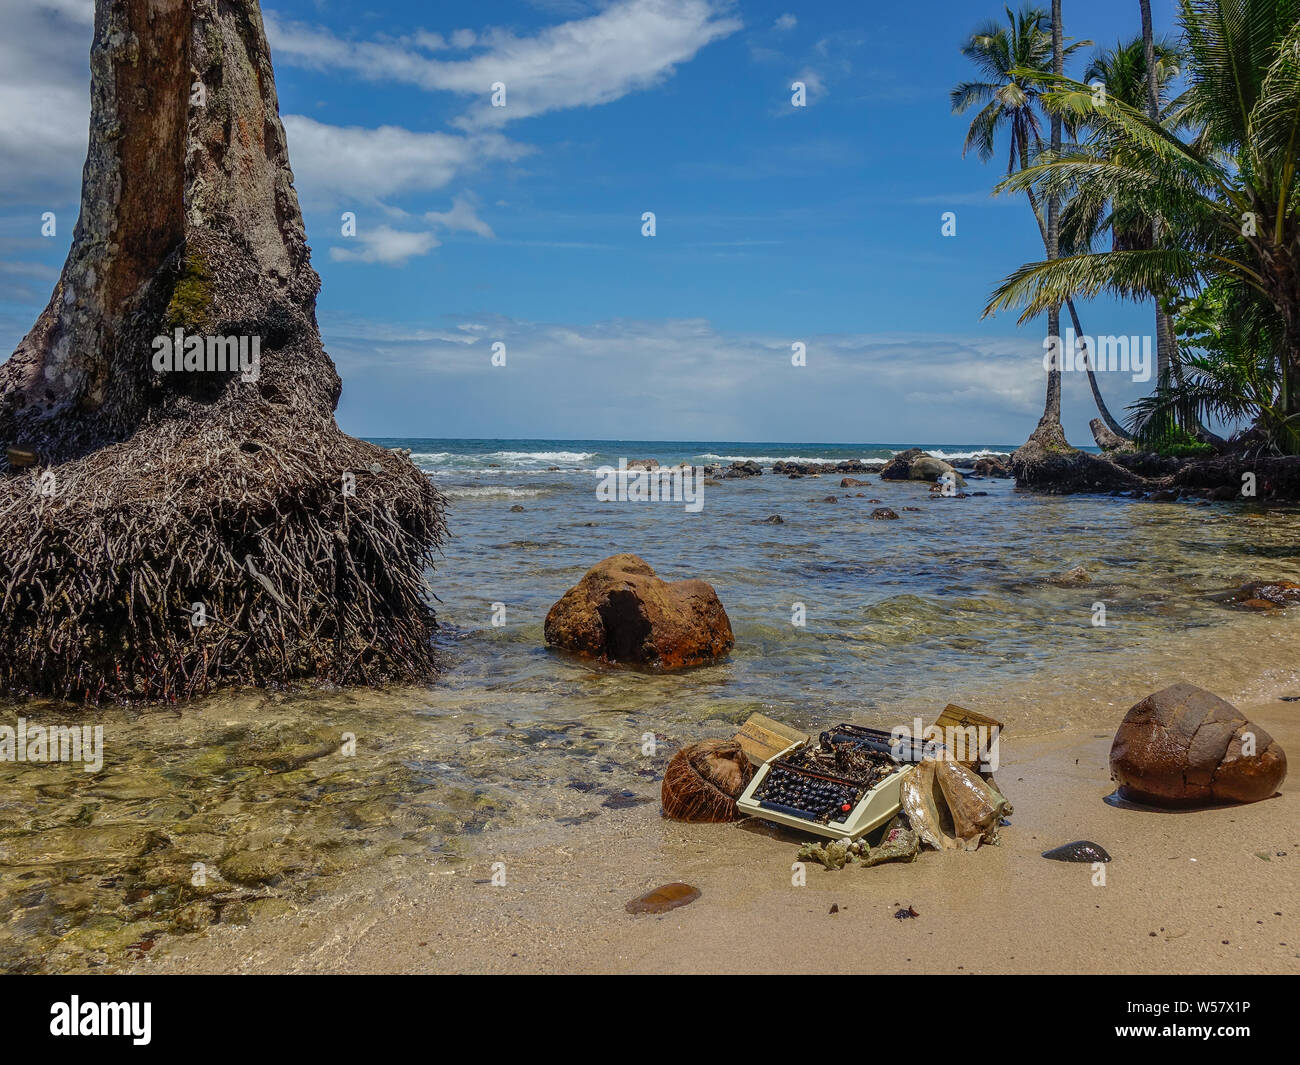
x,y
1049,429
179,484
1164,325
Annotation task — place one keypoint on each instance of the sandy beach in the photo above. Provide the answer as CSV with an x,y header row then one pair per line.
x,y
1204,891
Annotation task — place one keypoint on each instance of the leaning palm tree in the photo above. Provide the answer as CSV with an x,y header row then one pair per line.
x,y
1009,99
1229,197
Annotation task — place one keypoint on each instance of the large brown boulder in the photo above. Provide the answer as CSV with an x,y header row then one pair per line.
x,y
621,612
1184,746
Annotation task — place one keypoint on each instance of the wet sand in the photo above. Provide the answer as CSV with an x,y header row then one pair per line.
x,y
1206,891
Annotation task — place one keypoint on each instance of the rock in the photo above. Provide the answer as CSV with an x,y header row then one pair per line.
x,y
1165,495
833,855
883,514
829,499
1081,850
1075,576
774,519
1225,492
517,509
703,781
990,468
748,468
926,468
663,899
853,482
643,464
621,612
1274,593
900,466
1184,746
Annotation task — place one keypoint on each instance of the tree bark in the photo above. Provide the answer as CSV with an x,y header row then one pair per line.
x,y
188,218
158,491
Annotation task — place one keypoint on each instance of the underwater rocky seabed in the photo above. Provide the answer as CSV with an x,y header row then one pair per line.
x,y
952,603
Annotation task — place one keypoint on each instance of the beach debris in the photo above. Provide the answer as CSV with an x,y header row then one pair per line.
x,y
975,806
923,802
662,899
704,780
883,514
908,913
1081,850
898,844
834,854
763,739
1184,746
952,808
622,613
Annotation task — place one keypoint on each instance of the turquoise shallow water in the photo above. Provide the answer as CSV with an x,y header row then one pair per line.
x,y
953,602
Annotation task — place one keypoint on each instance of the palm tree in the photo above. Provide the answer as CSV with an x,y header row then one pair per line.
x,y
1002,53
1229,196
1088,215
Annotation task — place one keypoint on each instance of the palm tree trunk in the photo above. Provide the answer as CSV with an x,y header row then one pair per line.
x,y
1049,432
1164,326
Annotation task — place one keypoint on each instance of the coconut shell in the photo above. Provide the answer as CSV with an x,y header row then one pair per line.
x,y
704,780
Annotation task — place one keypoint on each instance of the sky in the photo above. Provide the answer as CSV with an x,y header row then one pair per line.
x,y
523,225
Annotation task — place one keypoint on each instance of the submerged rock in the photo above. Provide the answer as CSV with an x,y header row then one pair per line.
x,y
662,899
1184,746
1081,850
621,612
883,514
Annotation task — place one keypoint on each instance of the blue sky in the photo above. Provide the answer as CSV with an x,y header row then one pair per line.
x,y
523,224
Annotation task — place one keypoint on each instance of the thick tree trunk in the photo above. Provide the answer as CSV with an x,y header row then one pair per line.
x,y
161,488
188,218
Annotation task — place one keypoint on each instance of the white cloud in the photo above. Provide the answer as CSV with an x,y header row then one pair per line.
x,y
785,22
628,46
462,217
336,165
686,379
383,244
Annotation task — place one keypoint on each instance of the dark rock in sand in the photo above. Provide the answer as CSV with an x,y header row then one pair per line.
x,y
663,899
1184,746
621,612
883,514
1081,850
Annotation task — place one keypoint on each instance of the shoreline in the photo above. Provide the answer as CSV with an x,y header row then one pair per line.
x,y
1180,884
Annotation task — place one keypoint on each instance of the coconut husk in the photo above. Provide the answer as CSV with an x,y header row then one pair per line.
x,y
704,780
